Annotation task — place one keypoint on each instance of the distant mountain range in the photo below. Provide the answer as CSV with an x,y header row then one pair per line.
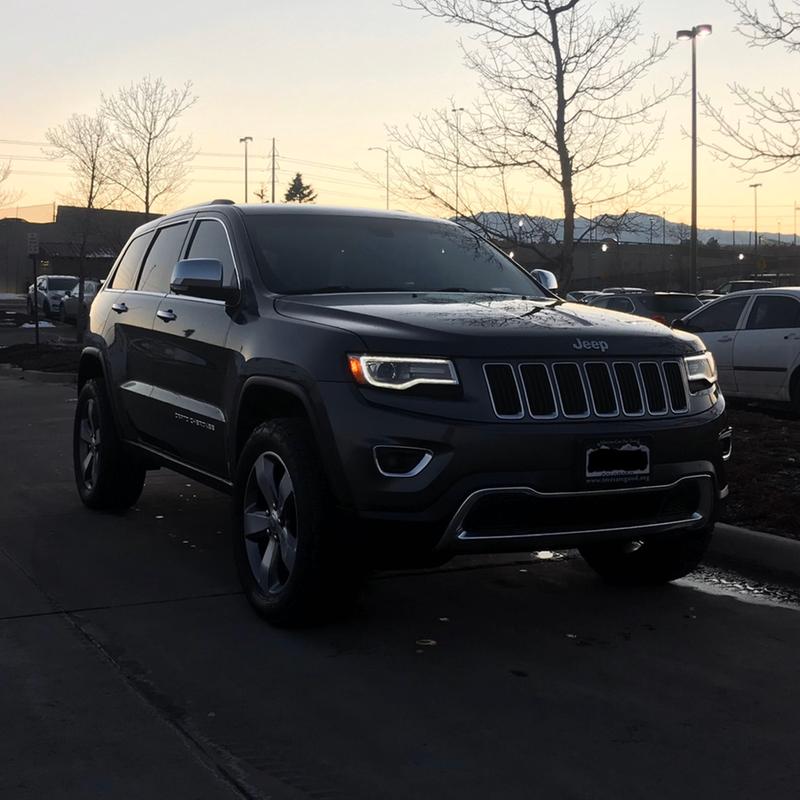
x,y
635,228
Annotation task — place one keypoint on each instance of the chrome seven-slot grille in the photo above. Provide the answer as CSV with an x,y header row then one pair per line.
x,y
583,389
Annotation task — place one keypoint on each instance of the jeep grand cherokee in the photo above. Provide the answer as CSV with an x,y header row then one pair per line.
x,y
383,383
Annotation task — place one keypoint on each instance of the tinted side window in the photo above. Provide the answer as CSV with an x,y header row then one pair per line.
x,y
774,312
161,259
620,304
211,241
128,269
721,316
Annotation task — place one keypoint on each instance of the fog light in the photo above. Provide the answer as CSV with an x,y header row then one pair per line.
x,y
401,462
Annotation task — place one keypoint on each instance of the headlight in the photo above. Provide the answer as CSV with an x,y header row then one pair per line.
x,y
388,372
701,371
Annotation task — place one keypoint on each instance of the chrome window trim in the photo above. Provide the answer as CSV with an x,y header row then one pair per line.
x,y
197,221
577,366
554,415
521,414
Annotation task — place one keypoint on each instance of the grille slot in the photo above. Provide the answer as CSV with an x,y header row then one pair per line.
x,y
653,387
675,386
601,389
630,391
504,390
538,391
571,391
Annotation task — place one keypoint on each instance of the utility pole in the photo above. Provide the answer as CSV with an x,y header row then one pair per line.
x,y
692,35
796,209
245,140
754,187
651,230
273,169
664,227
733,227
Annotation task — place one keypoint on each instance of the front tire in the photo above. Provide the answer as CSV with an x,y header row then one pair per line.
x,y
292,554
107,477
649,562
46,310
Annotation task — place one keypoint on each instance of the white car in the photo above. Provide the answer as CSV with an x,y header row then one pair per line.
x,y
69,305
50,291
755,338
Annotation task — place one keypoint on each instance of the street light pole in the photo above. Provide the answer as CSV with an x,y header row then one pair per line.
x,y
457,112
754,187
693,34
794,237
385,150
245,140
733,226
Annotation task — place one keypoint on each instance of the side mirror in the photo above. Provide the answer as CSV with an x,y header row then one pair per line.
x,y
201,277
682,325
546,278
67,294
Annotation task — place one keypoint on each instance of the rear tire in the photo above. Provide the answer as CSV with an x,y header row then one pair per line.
x,y
296,560
108,478
655,562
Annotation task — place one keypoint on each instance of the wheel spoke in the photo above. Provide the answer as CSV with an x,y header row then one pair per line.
x,y
90,416
85,434
288,545
285,491
255,525
269,562
265,477
87,466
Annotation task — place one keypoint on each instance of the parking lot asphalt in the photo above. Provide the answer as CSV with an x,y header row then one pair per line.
x,y
131,666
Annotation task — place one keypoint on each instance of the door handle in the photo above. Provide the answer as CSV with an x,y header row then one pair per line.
x,y
120,308
726,339
168,316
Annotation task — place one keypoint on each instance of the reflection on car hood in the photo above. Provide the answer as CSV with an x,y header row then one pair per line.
x,y
485,325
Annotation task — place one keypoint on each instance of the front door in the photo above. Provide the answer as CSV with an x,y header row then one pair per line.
x,y
193,365
765,349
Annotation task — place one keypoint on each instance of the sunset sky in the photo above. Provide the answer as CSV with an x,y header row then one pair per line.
x,y
324,79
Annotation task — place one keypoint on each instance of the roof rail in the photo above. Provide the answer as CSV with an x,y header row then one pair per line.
x,y
221,202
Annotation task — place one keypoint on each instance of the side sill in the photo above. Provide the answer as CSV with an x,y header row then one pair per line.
x,y
213,481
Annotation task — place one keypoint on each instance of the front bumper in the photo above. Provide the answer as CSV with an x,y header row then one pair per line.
x,y
538,462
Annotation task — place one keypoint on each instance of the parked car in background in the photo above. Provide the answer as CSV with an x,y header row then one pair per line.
x,y
621,290
582,296
70,302
664,307
742,286
755,339
50,290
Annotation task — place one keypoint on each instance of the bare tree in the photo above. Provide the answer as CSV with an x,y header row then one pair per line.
x,y
764,135
557,102
151,159
6,195
84,141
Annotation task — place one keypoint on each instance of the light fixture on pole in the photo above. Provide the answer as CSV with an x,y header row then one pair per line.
x,y
697,32
754,187
384,150
457,112
245,140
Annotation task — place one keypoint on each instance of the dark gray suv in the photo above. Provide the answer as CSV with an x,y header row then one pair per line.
x,y
378,387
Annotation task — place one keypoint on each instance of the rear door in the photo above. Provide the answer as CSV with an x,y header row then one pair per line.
x,y
716,325
129,318
193,366
766,348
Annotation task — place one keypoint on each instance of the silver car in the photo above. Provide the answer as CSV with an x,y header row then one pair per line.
x,y
49,293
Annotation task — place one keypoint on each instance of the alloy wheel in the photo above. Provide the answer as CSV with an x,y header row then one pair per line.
x,y
89,444
270,523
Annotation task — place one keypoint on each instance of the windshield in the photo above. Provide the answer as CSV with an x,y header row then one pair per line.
x,y
60,284
310,253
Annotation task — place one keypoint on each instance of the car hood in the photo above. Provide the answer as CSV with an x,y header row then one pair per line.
x,y
490,326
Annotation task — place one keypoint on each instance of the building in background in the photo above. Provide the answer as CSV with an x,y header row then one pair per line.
x,y
59,244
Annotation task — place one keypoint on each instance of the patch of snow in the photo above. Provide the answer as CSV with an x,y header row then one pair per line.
x,y
43,324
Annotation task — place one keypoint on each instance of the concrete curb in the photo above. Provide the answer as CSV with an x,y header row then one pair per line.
x,y
38,376
762,555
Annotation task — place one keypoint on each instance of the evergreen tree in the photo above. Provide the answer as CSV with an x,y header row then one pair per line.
x,y
299,192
